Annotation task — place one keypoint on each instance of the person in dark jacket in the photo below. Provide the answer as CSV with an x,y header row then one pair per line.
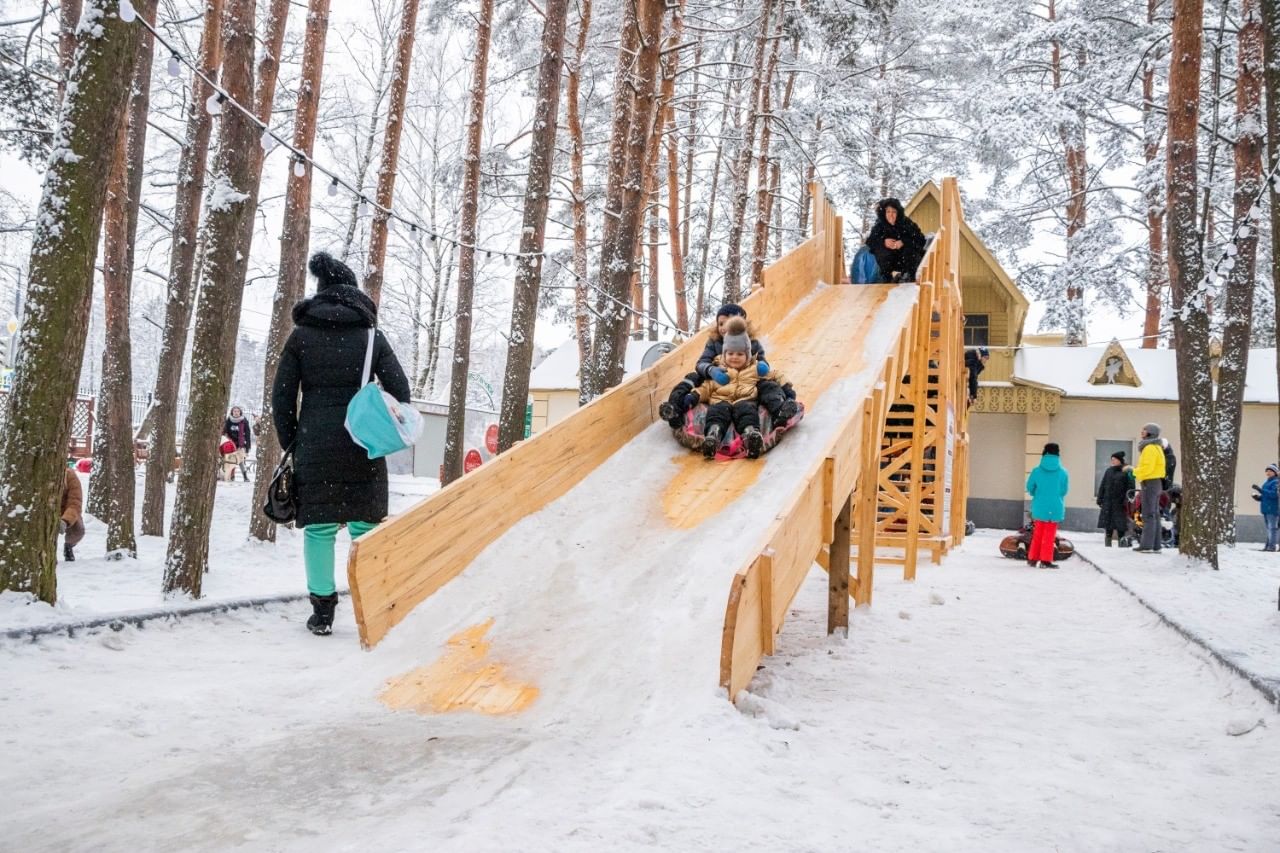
x,y
896,241
683,397
335,480
1268,494
974,361
1113,500
236,429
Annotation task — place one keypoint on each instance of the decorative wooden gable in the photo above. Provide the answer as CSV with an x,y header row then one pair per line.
x,y
1115,368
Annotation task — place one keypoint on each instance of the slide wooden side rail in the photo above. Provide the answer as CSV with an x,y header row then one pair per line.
x,y
900,482
409,557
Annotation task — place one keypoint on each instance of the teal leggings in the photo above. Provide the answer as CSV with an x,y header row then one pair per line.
x,y
317,552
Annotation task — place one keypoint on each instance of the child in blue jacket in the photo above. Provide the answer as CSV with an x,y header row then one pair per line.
x,y
1269,496
1047,486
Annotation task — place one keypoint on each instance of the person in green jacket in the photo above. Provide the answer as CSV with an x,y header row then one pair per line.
x,y
1047,485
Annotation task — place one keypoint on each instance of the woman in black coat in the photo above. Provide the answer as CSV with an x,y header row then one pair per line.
x,y
335,480
1113,499
896,241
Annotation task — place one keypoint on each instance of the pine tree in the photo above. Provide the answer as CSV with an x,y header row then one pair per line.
x,y
221,289
1270,10
467,232
181,281
391,151
294,242
524,309
34,444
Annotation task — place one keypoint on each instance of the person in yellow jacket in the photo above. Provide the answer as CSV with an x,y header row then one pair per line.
x,y
735,393
1150,475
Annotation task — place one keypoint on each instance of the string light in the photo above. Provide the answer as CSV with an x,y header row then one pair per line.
x,y
128,14
214,103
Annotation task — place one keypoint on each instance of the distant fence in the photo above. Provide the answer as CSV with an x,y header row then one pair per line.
x,y
84,418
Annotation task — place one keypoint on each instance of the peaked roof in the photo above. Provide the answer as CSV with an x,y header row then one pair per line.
x,y
1115,368
559,370
1016,297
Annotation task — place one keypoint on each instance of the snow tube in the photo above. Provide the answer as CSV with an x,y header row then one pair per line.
x,y
226,447
865,270
732,446
1015,547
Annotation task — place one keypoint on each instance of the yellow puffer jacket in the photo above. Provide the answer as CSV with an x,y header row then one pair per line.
x,y
742,383
1150,463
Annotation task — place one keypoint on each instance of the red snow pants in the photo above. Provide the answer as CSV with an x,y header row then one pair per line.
x,y
1043,536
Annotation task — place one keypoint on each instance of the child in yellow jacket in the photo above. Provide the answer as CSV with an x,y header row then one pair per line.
x,y
748,383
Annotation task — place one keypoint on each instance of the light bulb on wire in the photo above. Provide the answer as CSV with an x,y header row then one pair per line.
x,y
1244,232
333,188
300,167
268,141
128,14
213,105
174,65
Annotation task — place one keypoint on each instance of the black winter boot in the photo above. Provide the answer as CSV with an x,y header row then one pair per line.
x,y
1108,540
68,554
754,441
786,412
320,622
711,441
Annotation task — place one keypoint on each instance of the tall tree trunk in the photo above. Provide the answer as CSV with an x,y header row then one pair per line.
x,y
453,440
221,290
390,151
33,446
691,140
1238,304
764,189
1198,534
1152,132
291,283
1071,135
648,318
802,220
618,256
68,20
542,155
678,235
581,309
364,159
1271,77
181,284
742,165
115,484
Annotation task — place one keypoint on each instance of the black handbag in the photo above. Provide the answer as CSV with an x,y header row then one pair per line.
x,y
282,499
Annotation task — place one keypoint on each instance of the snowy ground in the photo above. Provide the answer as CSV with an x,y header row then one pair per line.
x,y
93,587
985,707
1233,610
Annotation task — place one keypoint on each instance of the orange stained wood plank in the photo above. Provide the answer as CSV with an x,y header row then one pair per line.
x,y
462,679
819,344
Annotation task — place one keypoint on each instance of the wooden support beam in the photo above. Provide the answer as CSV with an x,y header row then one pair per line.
x,y
767,631
838,586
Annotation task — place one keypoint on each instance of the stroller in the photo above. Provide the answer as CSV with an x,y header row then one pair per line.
x,y
1015,547
1168,517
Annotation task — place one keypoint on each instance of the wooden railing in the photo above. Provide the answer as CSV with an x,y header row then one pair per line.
x,y
845,488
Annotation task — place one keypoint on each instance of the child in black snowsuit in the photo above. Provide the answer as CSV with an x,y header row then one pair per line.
x,y
683,397
748,384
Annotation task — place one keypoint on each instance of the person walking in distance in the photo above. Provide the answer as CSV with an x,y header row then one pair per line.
x,y
335,480
1150,475
1047,485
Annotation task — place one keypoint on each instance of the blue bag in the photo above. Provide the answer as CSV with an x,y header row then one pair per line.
x,y
377,421
865,269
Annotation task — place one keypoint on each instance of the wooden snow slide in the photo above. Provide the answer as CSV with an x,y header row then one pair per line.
x,y
398,565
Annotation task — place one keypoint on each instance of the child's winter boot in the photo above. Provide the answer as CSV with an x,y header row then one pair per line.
x,y
711,441
786,411
754,441
320,622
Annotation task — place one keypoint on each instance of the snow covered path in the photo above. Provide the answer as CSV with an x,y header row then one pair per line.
x,y
1027,710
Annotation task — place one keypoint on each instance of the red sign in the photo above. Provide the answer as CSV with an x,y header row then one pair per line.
x,y
471,461
491,439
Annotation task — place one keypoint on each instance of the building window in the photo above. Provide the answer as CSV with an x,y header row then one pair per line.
x,y
1102,450
977,330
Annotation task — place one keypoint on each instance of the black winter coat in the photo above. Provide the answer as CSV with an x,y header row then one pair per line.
x,y
973,362
239,432
904,260
336,481
1113,499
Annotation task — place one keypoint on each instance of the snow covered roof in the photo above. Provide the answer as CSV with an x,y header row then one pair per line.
x,y
1069,369
559,370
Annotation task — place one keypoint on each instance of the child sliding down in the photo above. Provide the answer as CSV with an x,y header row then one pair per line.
x,y
738,383
673,409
